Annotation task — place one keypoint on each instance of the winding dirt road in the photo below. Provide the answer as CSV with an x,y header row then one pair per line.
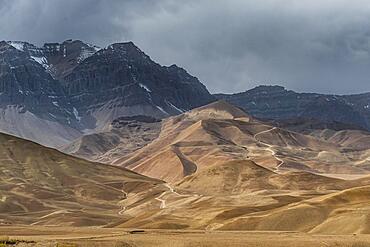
x,y
171,190
269,146
162,201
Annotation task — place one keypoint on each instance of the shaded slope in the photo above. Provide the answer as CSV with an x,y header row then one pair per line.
x,y
124,136
39,185
355,139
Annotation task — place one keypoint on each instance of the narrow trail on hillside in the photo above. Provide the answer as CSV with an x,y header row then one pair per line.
x,y
171,190
63,211
273,153
123,208
163,205
162,201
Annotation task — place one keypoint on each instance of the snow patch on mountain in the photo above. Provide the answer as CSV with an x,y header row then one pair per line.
x,y
17,45
174,107
161,109
75,112
96,48
41,60
145,87
86,53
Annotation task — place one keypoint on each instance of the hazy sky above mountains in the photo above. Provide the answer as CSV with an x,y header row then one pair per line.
x,y
230,45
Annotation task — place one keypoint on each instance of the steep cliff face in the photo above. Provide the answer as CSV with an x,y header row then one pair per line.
x,y
24,81
36,53
64,57
275,102
121,80
361,103
31,101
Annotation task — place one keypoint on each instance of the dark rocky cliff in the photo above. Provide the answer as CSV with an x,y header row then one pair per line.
x,y
122,76
24,83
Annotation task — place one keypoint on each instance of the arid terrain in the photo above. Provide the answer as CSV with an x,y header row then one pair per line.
x,y
211,175
86,237
40,185
138,123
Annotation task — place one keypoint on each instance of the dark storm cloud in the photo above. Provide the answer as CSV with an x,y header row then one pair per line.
x,y
96,21
231,45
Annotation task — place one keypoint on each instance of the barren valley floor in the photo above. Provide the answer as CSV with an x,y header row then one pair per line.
x,y
86,236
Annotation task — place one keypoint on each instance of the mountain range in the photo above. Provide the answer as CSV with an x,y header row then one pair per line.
x,y
74,88
61,90
278,103
107,137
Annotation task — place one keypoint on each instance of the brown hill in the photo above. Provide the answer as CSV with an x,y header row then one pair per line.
x,y
217,133
355,139
241,195
243,176
231,172
39,185
343,212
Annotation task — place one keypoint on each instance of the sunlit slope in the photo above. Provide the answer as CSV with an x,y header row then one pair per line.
x,y
241,195
231,172
219,132
342,212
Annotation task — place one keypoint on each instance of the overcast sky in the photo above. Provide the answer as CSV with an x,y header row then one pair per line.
x,y
230,45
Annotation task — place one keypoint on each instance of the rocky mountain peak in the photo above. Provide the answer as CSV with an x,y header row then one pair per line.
x,y
64,57
127,53
267,89
122,76
217,110
84,88
124,46
4,45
